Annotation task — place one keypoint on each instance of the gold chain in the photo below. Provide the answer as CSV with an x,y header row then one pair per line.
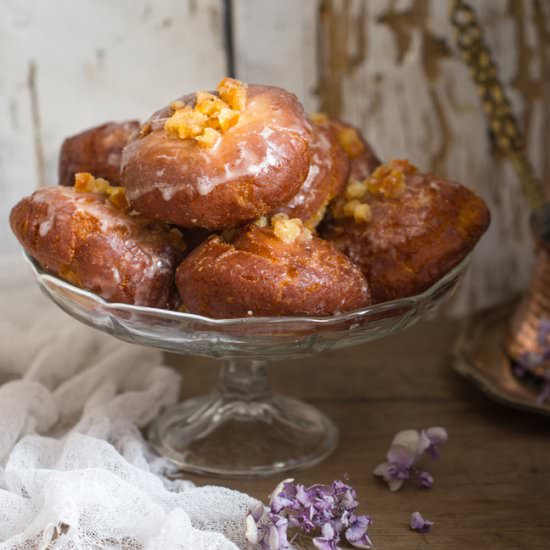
x,y
503,125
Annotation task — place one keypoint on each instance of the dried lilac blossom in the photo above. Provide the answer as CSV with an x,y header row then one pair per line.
x,y
397,468
432,439
327,511
328,540
406,450
425,479
418,523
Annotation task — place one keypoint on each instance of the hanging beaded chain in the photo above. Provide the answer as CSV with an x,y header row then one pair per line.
x,y
503,126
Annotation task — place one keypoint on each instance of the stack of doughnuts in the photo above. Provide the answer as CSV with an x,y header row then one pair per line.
x,y
234,203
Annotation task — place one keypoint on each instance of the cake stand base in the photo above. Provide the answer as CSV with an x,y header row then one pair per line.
x,y
242,430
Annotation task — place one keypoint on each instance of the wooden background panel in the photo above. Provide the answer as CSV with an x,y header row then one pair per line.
x,y
69,65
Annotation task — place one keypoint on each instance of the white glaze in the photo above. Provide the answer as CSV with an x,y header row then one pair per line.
x,y
267,135
65,203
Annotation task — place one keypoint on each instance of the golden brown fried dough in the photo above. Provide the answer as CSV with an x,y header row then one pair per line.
x,y
202,164
270,271
363,159
84,239
405,229
97,150
328,173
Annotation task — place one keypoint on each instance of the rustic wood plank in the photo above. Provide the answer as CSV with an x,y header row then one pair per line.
x,y
70,65
492,487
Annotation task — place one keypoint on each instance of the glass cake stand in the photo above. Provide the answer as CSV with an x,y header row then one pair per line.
x,y
241,429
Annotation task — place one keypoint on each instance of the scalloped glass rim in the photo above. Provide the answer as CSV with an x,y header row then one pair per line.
x,y
181,316
249,337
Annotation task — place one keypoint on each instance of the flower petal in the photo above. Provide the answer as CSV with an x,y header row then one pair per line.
x,y
381,470
251,531
426,480
401,456
328,531
357,530
257,511
323,544
395,484
418,523
364,542
424,444
279,489
437,435
409,439
273,538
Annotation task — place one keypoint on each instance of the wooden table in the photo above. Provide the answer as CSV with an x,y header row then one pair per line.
x,y
492,483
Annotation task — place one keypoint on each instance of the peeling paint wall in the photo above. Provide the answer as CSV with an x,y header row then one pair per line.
x,y
66,65
391,67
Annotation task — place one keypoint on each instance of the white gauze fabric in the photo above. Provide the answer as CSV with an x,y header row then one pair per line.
x,y
75,472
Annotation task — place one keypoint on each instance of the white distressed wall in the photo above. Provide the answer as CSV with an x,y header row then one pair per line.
x,y
66,65
276,43
388,66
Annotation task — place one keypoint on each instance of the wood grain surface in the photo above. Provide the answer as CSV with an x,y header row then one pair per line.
x,y
492,483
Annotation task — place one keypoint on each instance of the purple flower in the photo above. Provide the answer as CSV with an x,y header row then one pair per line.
x,y
397,468
406,450
418,523
432,439
426,480
277,534
356,533
329,538
267,530
326,509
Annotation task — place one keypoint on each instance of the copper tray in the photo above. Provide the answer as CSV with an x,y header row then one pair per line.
x,y
479,355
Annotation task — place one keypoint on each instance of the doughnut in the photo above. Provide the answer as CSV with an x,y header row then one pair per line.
x,y
405,229
272,270
97,150
327,176
217,160
84,235
363,159
338,152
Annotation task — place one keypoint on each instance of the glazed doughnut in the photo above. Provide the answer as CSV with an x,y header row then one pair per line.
x,y
363,159
97,150
85,239
405,229
216,160
327,176
274,270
